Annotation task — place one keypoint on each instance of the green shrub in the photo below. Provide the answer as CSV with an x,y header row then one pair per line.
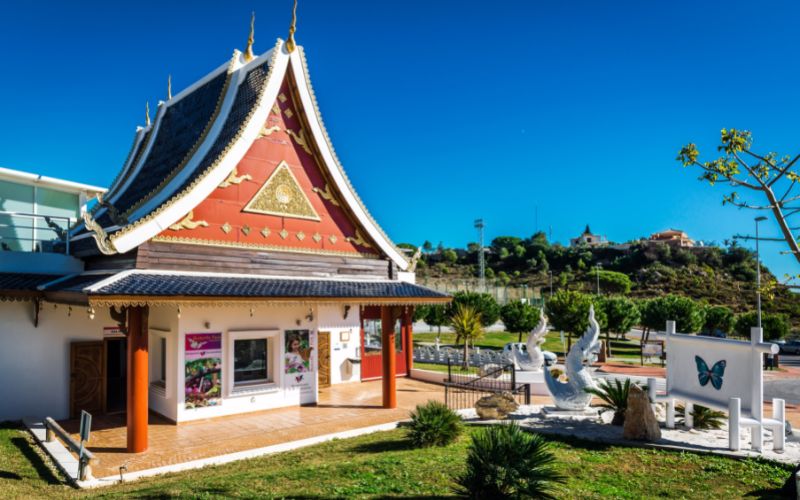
x,y
685,312
775,325
614,396
703,417
718,318
504,461
519,317
433,424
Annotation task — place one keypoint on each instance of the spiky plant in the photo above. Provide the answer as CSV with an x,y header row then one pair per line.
x,y
503,461
614,397
433,424
702,417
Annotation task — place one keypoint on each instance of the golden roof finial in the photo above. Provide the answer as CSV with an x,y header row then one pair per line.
x,y
147,113
290,45
169,87
248,54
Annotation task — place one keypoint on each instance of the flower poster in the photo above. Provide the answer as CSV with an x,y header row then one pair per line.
x,y
297,357
203,363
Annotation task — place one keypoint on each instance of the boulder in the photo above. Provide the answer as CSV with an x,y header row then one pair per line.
x,y
640,420
496,406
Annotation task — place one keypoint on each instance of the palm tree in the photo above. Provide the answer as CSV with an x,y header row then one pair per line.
x,y
466,323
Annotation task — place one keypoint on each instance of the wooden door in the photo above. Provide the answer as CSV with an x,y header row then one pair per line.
x,y
324,358
86,378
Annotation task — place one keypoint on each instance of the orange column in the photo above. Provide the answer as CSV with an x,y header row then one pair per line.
x,y
408,326
389,357
138,374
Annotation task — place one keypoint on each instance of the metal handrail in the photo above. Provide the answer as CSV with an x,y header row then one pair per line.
x,y
35,217
85,457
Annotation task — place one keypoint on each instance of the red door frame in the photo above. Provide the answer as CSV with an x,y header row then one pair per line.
x,y
372,363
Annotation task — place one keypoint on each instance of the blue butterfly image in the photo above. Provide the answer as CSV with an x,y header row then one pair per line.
x,y
704,374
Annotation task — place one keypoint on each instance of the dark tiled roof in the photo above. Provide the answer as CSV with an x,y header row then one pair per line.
x,y
221,286
24,281
246,100
77,283
179,130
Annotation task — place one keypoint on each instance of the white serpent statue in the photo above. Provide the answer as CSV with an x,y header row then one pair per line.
x,y
572,395
533,360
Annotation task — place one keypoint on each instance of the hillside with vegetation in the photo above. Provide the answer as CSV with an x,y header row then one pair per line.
x,y
714,275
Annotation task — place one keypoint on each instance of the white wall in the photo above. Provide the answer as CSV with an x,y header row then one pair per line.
x,y
331,319
224,320
34,362
163,322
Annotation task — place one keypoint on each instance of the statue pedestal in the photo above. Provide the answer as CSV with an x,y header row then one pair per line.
x,y
553,412
536,381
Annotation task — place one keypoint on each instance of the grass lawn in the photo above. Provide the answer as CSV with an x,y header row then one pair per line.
x,y
383,464
624,350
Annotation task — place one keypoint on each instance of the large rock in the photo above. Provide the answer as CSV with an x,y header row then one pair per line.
x,y
496,406
640,420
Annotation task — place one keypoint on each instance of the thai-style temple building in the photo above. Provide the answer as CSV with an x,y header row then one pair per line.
x,y
230,267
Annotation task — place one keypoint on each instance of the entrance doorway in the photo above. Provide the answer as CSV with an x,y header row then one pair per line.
x,y
116,364
372,345
98,376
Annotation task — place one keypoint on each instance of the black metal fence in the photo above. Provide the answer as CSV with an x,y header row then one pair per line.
x,y
463,387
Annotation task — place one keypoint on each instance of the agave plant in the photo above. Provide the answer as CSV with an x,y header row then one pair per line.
x,y
504,461
614,397
702,417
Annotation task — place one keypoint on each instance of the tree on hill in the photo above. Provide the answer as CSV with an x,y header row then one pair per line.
x,y
437,316
519,317
775,326
621,315
568,311
613,282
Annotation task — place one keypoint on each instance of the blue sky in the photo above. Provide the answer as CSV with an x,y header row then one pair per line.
x,y
441,112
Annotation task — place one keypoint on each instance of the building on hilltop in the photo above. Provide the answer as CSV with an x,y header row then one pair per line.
x,y
672,237
230,267
588,239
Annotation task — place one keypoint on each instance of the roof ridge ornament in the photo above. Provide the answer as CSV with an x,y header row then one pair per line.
x,y
147,113
104,243
248,53
169,87
290,44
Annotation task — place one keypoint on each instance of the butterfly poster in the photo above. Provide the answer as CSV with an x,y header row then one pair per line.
x,y
203,369
712,376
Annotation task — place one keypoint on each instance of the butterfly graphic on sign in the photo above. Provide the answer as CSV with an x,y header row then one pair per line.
x,y
299,378
713,374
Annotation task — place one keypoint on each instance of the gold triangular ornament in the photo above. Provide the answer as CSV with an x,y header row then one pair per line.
x,y
282,195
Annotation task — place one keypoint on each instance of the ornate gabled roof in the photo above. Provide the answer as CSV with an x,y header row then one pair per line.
x,y
195,144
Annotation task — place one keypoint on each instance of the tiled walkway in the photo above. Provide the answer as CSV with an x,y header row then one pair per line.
x,y
340,408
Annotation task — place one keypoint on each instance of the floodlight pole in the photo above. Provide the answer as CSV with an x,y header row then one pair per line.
x,y
481,258
597,270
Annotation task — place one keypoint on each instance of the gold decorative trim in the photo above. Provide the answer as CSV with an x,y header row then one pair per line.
x,y
246,230
289,113
333,239
265,232
226,228
248,53
300,139
175,198
268,131
337,162
104,244
284,233
282,195
188,223
326,194
276,110
300,235
262,246
235,178
317,237
282,97
359,240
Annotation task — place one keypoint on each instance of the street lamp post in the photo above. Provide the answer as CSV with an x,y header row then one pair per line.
x,y
758,274
597,271
551,284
